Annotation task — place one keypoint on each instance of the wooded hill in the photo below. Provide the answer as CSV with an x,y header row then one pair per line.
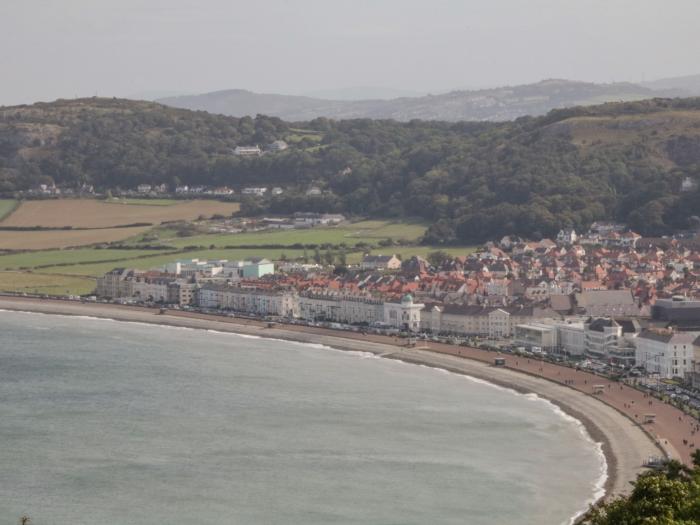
x,y
472,181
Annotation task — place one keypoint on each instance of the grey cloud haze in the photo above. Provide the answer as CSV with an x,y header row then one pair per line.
x,y
67,48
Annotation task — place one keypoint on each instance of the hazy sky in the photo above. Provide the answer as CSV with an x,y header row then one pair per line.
x,y
67,48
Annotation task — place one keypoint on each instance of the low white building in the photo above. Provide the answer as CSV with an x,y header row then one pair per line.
x,y
565,337
571,338
537,334
255,191
317,219
247,151
190,267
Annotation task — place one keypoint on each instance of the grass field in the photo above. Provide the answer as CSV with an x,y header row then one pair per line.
x,y
27,260
143,202
7,206
409,231
92,262
370,232
100,268
43,240
91,213
45,284
297,134
76,278
406,252
60,271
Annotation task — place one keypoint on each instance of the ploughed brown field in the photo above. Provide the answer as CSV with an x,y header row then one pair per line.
x,y
40,240
91,213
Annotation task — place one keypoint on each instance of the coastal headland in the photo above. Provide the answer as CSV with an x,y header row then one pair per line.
x,y
613,417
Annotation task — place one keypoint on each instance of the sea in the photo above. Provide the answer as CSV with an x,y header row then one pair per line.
x,y
112,423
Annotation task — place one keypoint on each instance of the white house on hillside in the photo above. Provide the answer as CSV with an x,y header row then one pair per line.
x,y
567,236
247,151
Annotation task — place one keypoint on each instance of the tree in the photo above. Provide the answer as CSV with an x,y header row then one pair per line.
x,y
437,258
667,497
317,255
328,257
471,181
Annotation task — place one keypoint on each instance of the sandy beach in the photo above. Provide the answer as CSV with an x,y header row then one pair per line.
x,y
612,418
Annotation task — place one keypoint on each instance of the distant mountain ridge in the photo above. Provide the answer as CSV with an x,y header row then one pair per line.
x,y
497,104
686,86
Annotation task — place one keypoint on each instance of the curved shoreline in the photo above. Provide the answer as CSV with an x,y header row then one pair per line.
x,y
625,444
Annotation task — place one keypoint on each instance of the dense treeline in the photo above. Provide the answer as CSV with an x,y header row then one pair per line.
x,y
472,181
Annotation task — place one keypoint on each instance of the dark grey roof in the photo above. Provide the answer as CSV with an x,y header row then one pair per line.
x,y
676,337
599,325
604,297
560,302
377,258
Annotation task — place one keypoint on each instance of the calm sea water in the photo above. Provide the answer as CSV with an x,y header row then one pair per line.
x,y
114,423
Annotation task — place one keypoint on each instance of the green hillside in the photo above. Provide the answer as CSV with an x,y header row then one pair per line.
x,y
470,181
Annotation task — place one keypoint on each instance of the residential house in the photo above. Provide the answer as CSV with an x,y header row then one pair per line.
x,y
255,191
688,184
380,262
567,236
278,145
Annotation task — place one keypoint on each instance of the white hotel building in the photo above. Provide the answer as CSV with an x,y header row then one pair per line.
x,y
665,352
358,309
255,301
